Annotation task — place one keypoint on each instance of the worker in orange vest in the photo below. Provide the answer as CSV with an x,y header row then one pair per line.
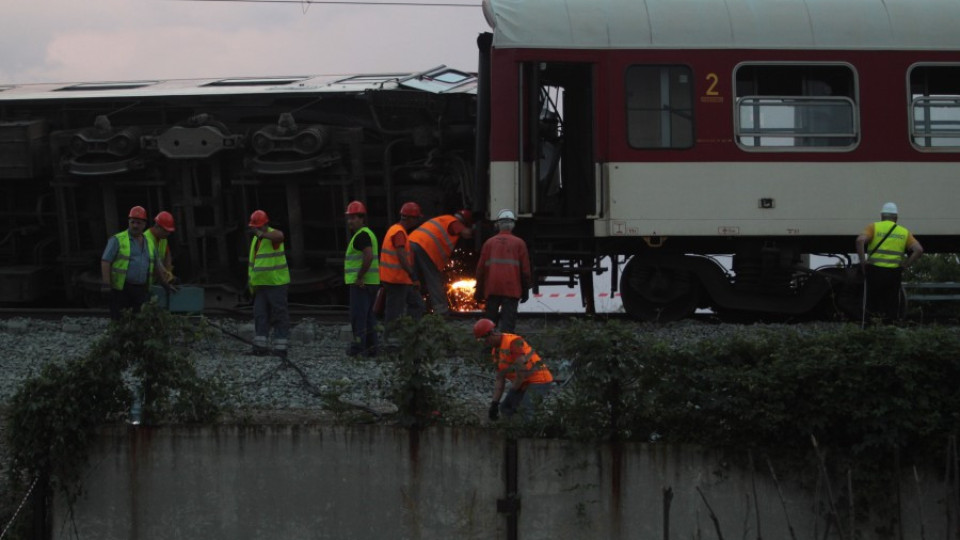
x,y
517,362
397,276
433,244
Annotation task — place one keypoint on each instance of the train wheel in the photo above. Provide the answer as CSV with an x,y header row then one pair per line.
x,y
658,292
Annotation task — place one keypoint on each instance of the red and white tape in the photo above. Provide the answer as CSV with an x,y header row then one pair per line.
x,y
572,295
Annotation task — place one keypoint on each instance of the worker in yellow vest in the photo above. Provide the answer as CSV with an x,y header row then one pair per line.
x,y
129,265
268,280
517,362
161,230
361,273
884,249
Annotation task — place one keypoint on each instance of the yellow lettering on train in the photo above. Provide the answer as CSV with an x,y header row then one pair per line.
x,y
713,80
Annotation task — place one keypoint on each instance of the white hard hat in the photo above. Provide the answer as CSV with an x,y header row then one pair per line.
x,y
889,208
506,214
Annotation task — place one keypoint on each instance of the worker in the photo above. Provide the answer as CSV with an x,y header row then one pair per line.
x,y
268,279
503,274
884,249
433,244
162,228
361,273
397,276
129,265
517,362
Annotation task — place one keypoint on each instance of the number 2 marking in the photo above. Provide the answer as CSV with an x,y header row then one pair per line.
x,y
712,89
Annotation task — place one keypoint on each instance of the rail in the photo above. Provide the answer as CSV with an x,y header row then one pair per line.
x,y
932,292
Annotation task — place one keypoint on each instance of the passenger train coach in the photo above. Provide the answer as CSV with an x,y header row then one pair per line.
x,y
666,130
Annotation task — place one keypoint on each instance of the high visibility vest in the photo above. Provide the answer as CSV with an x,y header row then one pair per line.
x,y
267,266
891,251
354,261
161,243
120,264
390,269
434,238
538,374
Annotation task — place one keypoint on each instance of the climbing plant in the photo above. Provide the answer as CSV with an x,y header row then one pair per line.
x,y
417,383
53,417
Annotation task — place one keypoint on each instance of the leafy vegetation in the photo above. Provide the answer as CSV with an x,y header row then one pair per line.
x,y
53,417
416,384
874,400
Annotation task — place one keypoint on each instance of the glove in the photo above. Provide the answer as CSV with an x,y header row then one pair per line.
x,y
525,296
494,412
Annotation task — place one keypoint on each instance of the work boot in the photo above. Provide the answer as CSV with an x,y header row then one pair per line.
x,y
260,346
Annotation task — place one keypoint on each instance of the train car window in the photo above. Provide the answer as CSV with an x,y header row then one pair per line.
x,y
105,86
659,106
796,107
935,107
269,81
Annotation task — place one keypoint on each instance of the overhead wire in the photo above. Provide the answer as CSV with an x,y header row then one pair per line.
x,y
342,3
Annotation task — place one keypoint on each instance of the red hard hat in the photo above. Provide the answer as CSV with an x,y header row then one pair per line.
x,y
411,209
165,221
258,218
138,212
356,207
466,216
482,328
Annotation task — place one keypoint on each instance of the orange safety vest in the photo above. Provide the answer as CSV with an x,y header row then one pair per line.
x,y
390,269
434,237
538,374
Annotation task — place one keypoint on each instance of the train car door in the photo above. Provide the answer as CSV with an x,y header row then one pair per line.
x,y
557,133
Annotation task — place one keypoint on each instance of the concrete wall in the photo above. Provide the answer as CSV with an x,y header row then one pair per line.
x,y
377,482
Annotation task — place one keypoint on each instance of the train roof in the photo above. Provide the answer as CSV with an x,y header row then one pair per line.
x,y
725,24
439,80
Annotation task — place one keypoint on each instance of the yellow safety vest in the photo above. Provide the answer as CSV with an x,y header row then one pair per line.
x,y
161,243
891,251
267,266
120,264
354,261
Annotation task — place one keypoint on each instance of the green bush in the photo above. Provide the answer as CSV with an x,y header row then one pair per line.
x,y
867,390
416,384
53,417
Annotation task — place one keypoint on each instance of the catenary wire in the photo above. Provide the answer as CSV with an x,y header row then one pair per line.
x,y
341,2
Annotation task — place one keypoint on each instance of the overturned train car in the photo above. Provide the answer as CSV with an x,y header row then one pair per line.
x,y
74,158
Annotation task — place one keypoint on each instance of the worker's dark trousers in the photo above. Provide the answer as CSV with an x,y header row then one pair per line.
x,y
400,299
502,310
131,297
270,310
883,292
432,279
524,401
362,321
